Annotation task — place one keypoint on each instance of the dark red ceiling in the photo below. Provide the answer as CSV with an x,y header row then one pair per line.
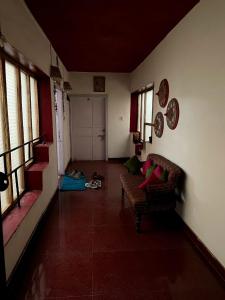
x,y
107,35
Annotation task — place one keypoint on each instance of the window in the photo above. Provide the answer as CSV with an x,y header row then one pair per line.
x,y
148,114
19,124
141,113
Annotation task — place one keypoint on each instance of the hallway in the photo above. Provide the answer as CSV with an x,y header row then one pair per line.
x,y
88,249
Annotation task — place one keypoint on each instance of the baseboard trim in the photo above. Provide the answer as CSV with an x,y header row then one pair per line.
x,y
12,281
118,159
207,255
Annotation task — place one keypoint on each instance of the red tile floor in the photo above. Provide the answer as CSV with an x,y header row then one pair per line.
x,y
88,249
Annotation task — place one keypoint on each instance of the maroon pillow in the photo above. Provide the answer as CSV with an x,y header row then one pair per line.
x,y
151,179
147,164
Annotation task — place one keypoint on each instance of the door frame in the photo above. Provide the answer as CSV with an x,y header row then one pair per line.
x,y
105,96
59,123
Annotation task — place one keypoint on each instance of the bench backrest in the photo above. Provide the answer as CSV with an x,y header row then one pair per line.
x,y
175,172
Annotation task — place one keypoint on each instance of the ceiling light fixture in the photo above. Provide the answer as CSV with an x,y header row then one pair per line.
x,y
67,86
2,39
55,73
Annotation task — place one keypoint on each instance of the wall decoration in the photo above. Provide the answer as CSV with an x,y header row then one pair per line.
x,y
172,113
138,148
99,83
136,137
163,93
159,124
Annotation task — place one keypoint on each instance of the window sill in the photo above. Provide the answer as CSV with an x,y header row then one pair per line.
x,y
34,183
13,220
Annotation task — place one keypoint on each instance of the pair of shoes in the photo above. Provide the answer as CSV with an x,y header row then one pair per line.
x,y
75,174
99,183
97,176
91,185
94,184
78,174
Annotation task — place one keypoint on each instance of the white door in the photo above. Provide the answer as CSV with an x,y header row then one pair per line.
x,y
59,130
88,127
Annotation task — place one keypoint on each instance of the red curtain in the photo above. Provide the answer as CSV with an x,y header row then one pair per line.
x,y
45,108
133,112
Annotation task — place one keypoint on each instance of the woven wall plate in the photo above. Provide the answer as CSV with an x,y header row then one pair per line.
x,y
172,113
163,93
159,124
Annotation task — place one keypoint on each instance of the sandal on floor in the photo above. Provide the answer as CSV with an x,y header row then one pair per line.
x,y
94,184
99,183
97,176
91,185
75,174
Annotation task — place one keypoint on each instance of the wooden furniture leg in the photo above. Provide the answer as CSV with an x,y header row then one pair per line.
x,y
123,193
138,222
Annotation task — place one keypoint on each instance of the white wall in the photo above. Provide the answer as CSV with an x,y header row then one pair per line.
x,y
192,58
118,112
22,32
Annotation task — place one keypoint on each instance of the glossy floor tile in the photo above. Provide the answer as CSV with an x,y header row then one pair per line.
x,y
88,249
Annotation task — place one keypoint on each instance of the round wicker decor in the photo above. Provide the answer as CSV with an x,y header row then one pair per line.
x,y
163,93
159,124
172,113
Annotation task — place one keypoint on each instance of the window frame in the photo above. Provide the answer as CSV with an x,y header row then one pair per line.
x,y
142,126
5,58
146,123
